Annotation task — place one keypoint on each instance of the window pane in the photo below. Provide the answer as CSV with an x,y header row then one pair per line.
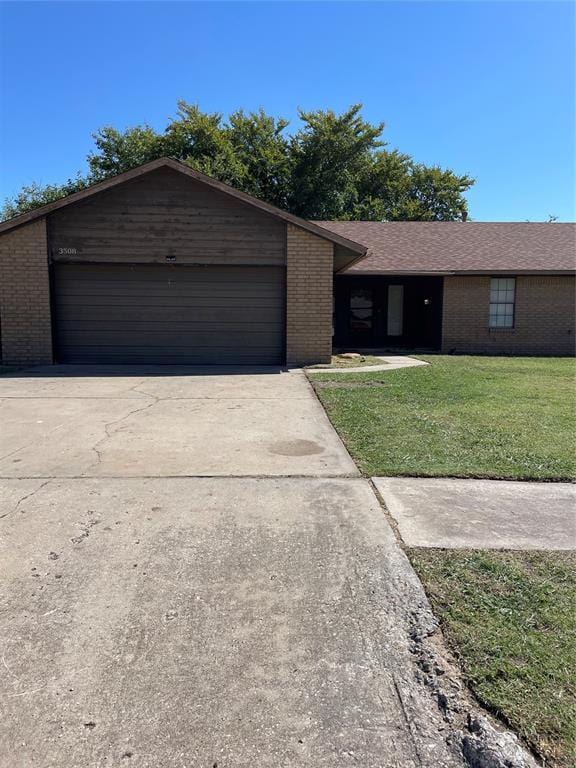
x,y
501,321
502,298
395,310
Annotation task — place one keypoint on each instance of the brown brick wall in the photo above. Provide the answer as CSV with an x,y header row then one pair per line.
x,y
309,280
544,317
25,328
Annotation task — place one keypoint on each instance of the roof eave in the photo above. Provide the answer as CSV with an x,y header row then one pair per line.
x,y
464,273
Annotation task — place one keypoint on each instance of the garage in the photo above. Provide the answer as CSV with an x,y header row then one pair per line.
x,y
168,314
164,265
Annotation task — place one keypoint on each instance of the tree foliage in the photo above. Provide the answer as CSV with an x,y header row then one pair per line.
x,y
334,166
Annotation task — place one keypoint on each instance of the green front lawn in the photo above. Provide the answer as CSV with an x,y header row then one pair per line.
x,y
463,416
511,619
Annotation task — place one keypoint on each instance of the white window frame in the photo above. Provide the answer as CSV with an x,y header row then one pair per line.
x,y
502,308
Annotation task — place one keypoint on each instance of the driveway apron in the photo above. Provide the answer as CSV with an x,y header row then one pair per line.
x,y
193,573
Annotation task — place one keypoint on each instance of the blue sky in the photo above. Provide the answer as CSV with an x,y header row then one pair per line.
x,y
485,88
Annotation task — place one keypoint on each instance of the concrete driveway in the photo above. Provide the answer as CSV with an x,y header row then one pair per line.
x,y
192,574
67,422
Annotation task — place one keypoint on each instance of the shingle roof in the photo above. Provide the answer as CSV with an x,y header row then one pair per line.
x,y
460,247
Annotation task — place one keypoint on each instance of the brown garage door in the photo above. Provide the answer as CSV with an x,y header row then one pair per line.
x,y
169,314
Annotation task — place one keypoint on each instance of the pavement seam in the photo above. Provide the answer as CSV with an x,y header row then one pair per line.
x,y
183,477
143,394
387,514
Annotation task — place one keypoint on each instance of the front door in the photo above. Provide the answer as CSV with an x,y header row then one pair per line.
x,y
373,315
361,316
372,312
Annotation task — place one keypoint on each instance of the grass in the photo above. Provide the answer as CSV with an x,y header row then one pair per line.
x,y
338,361
495,417
511,618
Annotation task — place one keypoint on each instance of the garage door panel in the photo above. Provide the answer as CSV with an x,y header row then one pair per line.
x,y
163,314
111,324
172,356
169,301
69,316
127,338
170,289
135,274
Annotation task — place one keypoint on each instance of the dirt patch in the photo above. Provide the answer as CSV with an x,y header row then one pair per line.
x,y
349,360
296,448
348,384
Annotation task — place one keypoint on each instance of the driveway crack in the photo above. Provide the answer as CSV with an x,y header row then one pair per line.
x,y
29,495
110,424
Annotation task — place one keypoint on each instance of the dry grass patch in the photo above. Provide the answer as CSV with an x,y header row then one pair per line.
x,y
339,361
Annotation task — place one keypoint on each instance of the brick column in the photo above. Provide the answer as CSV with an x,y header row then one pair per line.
x,y
25,322
309,280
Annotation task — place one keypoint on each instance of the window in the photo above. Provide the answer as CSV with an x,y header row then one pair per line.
x,y
395,310
502,297
361,309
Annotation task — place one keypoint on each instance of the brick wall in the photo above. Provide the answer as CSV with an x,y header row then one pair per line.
x,y
25,325
544,317
308,297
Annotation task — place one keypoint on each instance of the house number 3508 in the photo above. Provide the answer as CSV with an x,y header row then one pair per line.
x,y
66,251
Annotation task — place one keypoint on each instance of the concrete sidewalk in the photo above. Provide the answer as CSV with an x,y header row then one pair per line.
x,y
481,514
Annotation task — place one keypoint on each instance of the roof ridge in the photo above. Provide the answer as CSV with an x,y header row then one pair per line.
x,y
437,223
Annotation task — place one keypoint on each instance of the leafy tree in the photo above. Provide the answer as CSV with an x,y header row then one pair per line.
x,y
260,146
383,186
433,194
397,189
330,153
120,151
33,196
335,166
200,140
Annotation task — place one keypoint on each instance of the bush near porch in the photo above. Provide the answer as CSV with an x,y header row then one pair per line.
x,y
461,416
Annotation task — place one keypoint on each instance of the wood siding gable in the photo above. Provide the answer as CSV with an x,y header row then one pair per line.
x,y
166,217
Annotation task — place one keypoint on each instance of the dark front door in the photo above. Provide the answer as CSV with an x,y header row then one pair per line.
x,y
361,315
372,312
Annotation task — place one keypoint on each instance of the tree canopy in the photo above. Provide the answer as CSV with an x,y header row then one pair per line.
x,y
334,166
